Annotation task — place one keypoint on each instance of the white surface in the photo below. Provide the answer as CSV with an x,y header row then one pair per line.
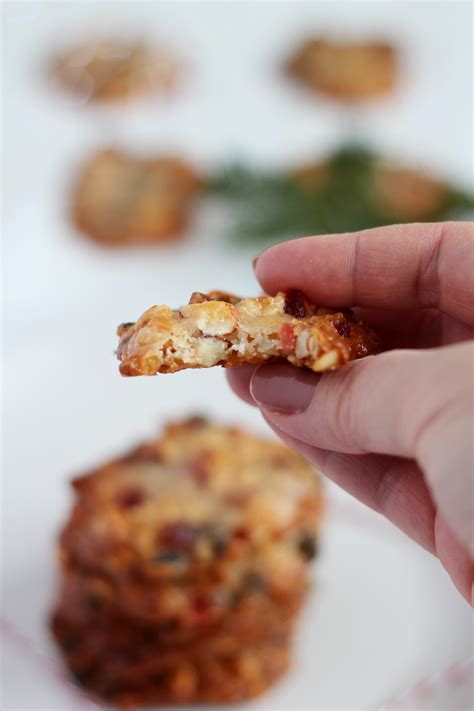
x,y
384,614
450,688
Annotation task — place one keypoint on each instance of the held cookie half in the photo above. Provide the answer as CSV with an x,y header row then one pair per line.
x,y
221,329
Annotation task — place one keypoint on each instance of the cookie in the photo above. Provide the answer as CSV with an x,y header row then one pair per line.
x,y
121,199
396,193
252,614
114,70
345,71
144,673
222,329
184,566
408,195
198,499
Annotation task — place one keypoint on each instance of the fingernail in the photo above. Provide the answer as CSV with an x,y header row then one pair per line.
x,y
254,261
283,389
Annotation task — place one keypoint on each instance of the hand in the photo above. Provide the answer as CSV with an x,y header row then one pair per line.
x,y
396,430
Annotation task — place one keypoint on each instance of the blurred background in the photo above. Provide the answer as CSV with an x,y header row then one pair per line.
x,y
383,614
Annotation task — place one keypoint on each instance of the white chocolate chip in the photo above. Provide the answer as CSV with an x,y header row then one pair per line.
x,y
210,351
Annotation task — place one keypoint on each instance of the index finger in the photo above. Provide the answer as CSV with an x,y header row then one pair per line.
x,y
394,267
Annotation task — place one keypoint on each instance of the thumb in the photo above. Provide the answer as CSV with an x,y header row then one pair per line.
x,y
414,404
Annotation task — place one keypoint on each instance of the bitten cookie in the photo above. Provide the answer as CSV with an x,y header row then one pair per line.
x,y
222,329
114,70
121,199
345,71
184,565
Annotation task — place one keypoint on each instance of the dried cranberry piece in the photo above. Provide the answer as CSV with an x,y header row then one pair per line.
x,y
70,642
201,604
287,338
343,327
295,303
218,538
168,557
93,600
255,582
129,498
241,533
82,676
281,460
307,545
237,499
199,468
220,545
179,535
197,420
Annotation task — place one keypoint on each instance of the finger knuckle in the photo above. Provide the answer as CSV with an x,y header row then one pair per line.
x,y
345,422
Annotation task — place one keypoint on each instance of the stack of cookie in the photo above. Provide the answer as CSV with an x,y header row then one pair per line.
x,y
184,565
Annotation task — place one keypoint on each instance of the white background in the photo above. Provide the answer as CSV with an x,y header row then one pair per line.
x,y
383,613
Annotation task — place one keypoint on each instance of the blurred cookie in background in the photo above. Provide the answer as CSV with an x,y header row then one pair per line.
x,y
122,199
345,71
114,70
395,192
409,195
352,188
184,565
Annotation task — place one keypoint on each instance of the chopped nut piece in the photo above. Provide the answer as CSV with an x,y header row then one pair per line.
x,y
328,361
